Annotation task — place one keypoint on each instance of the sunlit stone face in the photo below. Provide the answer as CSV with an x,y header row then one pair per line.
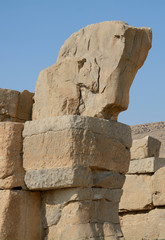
x,y
94,72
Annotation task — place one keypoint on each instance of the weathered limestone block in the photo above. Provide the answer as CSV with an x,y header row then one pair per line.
x,y
146,165
78,141
46,179
64,177
145,147
20,215
158,186
147,226
84,208
11,165
15,106
137,193
94,72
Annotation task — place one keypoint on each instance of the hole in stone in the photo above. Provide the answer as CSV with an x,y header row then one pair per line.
x,y
17,188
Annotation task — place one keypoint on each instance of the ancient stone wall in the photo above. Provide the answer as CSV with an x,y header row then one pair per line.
x,y
61,174
142,206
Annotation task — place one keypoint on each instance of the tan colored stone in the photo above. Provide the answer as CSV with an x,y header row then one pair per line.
x,y
76,146
96,204
111,129
156,130
47,179
94,72
145,147
24,111
158,186
15,106
64,177
146,165
147,226
11,165
137,193
20,215
99,211
65,195
99,231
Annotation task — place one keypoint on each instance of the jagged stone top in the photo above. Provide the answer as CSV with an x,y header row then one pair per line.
x,y
94,72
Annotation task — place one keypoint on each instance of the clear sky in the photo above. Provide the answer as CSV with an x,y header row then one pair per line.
x,y
32,32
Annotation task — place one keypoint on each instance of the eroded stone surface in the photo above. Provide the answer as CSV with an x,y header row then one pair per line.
x,y
146,165
145,147
11,164
47,179
15,106
147,226
95,231
79,210
107,179
158,186
63,177
20,215
94,71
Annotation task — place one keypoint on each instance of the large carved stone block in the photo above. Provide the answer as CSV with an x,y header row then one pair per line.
x,y
137,193
66,177
94,72
20,215
70,141
11,163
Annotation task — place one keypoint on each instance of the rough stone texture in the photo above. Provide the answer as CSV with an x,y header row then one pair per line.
x,y
158,185
65,177
156,130
145,147
11,165
69,147
88,231
94,72
147,226
137,193
146,165
20,215
111,129
83,211
46,179
107,179
15,106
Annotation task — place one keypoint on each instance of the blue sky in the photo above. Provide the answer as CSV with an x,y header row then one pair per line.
x,y
32,32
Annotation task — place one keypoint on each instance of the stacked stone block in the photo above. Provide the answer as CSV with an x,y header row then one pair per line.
x,y
142,204
79,164
20,215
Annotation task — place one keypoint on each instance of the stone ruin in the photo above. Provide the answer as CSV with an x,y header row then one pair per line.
x,y
62,170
